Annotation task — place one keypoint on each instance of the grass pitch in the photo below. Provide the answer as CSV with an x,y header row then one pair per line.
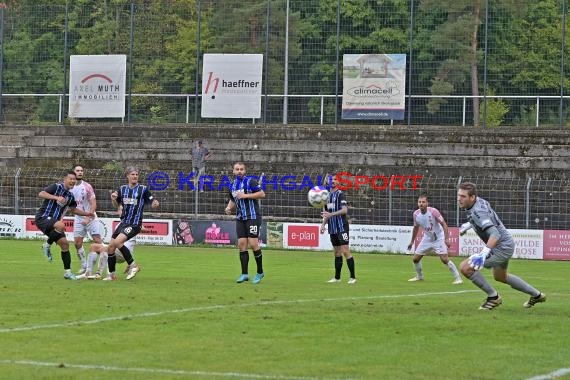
x,y
184,316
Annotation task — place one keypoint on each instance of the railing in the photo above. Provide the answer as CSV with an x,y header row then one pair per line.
x,y
460,118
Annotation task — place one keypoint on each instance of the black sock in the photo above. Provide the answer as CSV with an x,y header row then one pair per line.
x,y
258,260
66,258
350,264
337,266
111,263
126,254
244,260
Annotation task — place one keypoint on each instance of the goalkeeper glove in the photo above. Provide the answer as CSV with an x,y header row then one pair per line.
x,y
477,261
464,228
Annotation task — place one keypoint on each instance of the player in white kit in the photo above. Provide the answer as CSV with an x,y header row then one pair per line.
x,y
86,201
436,238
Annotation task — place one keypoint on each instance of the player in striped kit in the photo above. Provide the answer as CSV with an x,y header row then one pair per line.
x,y
436,238
335,216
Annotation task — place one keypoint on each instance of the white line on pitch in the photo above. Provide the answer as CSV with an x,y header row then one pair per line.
x,y
552,375
214,307
152,370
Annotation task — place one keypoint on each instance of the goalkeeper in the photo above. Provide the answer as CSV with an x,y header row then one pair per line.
x,y
499,248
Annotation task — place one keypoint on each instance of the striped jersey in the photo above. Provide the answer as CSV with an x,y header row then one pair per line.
x,y
337,223
83,194
482,217
133,201
50,208
246,209
431,222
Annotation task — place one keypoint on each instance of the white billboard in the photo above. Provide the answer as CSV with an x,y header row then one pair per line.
x,y
231,85
97,86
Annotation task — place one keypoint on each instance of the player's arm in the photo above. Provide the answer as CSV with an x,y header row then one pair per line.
x,y
327,215
445,230
115,200
48,193
208,155
414,234
257,195
148,198
92,201
230,207
77,211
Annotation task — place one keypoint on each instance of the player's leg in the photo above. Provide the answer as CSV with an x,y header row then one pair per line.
x,y
337,258
58,235
493,299
536,296
242,236
79,232
46,226
441,250
253,228
419,253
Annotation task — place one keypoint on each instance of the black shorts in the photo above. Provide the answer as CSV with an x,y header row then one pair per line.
x,y
131,230
248,228
45,224
339,239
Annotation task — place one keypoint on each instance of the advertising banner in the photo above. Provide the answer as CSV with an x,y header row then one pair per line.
x,y
374,86
97,86
231,85
216,232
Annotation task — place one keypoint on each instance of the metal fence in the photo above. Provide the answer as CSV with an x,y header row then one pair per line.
x,y
521,203
468,63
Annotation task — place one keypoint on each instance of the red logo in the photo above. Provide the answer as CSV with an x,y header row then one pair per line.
x,y
303,236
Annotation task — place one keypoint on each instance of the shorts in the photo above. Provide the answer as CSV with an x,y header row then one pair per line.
x,y
248,228
130,244
130,230
498,258
341,238
438,246
92,228
45,224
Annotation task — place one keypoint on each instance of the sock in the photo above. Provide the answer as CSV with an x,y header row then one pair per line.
x,y
91,261
350,264
337,266
453,270
521,285
81,257
126,254
112,263
66,258
103,258
419,269
258,260
480,281
244,260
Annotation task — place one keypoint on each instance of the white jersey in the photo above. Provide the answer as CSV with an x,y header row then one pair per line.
x,y
431,222
83,194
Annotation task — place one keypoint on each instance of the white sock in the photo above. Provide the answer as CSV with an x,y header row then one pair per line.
x,y
81,256
453,270
91,261
102,262
419,270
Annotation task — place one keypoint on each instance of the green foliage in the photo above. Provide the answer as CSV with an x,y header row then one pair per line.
x,y
496,110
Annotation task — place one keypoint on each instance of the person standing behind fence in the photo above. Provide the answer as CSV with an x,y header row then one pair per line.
x,y
57,200
436,238
244,195
499,248
199,155
85,199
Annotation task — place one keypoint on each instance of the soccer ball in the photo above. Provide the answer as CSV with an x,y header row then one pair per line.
x,y
318,196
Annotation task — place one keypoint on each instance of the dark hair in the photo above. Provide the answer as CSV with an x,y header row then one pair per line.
x,y
423,195
69,172
470,187
239,163
75,167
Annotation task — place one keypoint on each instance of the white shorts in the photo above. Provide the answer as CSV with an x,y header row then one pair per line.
x,y
438,246
130,244
94,227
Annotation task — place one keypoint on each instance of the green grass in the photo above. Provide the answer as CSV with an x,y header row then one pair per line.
x,y
184,316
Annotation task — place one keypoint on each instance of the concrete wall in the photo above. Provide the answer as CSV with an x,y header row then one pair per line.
x,y
505,153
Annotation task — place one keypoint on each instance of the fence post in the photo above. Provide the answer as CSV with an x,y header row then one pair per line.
x,y
527,203
17,191
459,180
390,200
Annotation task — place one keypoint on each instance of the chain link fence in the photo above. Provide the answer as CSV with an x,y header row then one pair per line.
x,y
468,63
521,203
